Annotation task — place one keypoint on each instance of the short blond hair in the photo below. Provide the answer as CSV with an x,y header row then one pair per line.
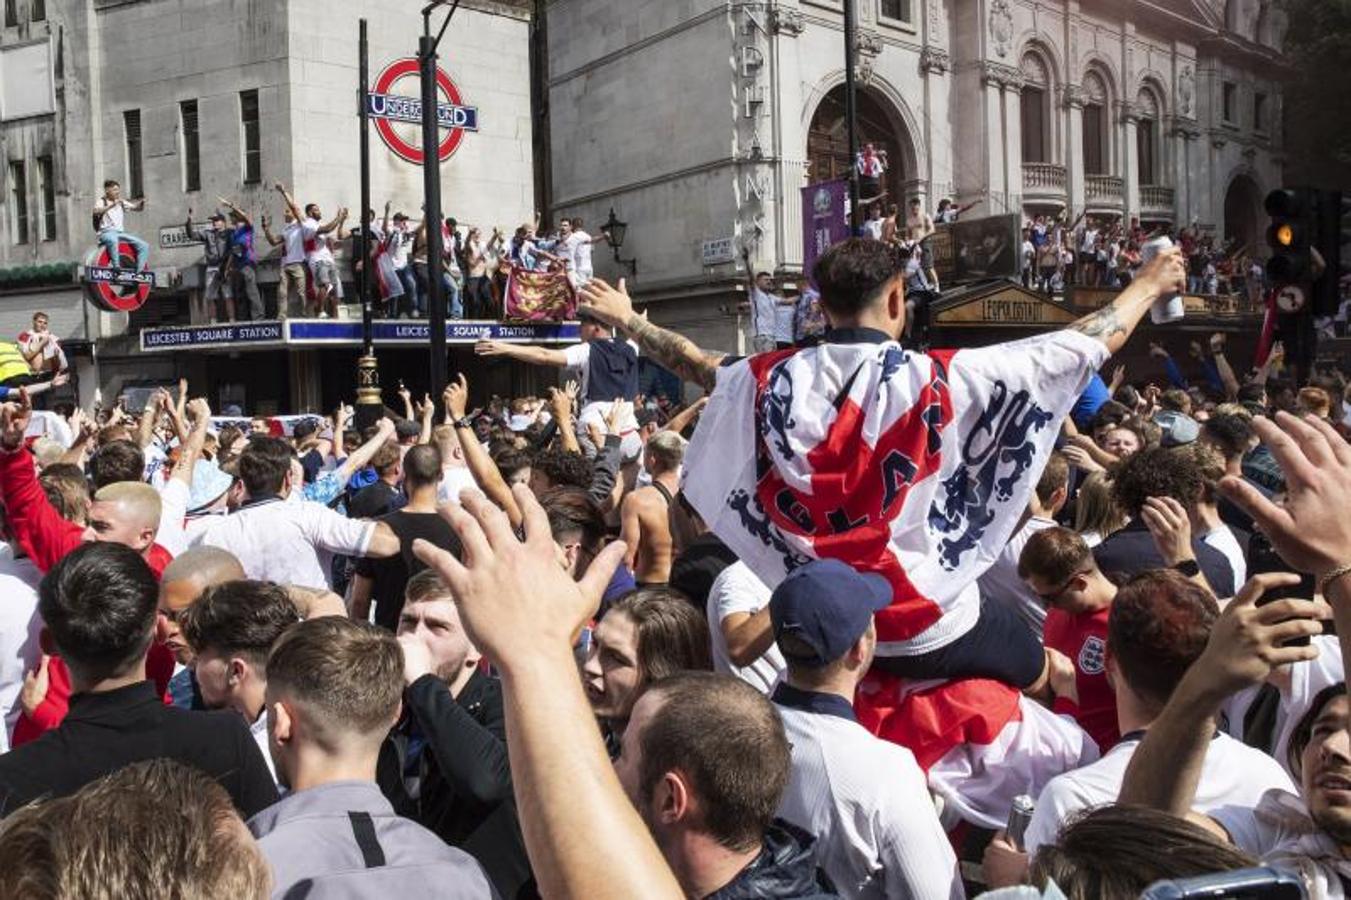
x,y
135,496
76,846
667,449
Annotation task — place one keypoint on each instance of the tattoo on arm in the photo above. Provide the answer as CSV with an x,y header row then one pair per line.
x,y
676,353
1104,324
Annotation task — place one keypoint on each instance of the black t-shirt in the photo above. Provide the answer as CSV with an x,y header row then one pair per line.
x,y
392,573
375,500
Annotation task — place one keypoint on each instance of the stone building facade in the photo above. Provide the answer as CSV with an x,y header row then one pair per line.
x,y
185,101
698,121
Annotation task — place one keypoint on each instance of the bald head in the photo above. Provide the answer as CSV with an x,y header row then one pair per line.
x,y
184,580
209,565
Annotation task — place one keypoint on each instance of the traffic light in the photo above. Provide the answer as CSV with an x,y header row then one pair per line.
x,y
1332,216
1289,235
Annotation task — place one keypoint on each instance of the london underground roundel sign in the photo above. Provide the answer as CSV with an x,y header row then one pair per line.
x,y
115,285
398,114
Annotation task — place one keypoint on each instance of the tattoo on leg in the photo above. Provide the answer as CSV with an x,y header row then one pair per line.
x,y
1103,324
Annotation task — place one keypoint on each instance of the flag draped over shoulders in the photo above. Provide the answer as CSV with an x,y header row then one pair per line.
x,y
916,467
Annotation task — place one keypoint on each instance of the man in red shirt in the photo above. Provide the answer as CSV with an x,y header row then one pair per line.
x,y
124,513
1059,568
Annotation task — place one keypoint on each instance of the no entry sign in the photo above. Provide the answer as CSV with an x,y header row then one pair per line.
x,y
398,117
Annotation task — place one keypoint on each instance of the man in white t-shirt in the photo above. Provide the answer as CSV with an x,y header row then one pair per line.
x,y
772,314
738,622
318,253
41,348
574,246
20,624
111,213
864,799
291,284
279,540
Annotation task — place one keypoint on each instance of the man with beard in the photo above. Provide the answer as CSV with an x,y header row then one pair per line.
x,y
445,764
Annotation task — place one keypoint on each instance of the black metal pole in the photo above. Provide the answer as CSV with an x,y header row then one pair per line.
x,y
431,173
369,402
851,112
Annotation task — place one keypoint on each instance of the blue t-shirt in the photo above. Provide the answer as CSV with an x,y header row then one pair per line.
x,y
1090,401
241,246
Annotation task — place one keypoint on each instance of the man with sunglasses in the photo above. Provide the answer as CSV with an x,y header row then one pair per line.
x,y
1058,567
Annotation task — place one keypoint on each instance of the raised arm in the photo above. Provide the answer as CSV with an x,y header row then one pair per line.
x,y
243,216
426,412
486,474
267,232
289,201
1226,371
335,222
1114,323
679,354
682,420
535,356
145,431
363,454
561,403
523,611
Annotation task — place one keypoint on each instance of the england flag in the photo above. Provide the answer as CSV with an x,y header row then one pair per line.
x,y
980,743
916,467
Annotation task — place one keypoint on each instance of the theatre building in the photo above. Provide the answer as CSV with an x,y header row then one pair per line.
x,y
185,101
700,122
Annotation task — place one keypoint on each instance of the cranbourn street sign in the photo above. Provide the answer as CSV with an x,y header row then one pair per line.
x,y
398,117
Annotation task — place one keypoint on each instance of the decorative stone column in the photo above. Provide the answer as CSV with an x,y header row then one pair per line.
x,y
1128,114
1072,99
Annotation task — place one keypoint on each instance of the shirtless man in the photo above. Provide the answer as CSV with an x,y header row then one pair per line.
x,y
917,221
645,527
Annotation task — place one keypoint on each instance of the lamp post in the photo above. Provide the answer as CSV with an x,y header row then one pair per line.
x,y
431,183
369,402
615,229
851,112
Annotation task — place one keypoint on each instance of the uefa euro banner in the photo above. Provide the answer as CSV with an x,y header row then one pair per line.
x,y
977,249
539,296
824,220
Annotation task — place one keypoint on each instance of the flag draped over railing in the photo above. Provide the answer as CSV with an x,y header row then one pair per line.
x,y
534,296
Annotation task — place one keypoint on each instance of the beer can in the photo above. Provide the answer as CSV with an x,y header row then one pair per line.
x,y
1020,814
1169,308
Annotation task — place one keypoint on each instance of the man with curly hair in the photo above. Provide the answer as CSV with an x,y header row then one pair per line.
x,y
1159,488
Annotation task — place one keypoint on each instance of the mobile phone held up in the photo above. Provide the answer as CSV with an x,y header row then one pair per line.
x,y
1262,559
1263,883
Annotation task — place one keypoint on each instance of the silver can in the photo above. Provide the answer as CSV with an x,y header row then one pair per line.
x,y
1020,814
1169,308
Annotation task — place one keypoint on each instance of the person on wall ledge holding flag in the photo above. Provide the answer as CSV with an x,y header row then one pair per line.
x,y
915,467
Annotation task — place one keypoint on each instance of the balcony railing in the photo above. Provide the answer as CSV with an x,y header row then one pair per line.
x,y
1156,197
1103,189
1043,179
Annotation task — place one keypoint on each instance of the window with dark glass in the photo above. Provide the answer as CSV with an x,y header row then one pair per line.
x,y
18,192
1034,125
253,153
47,188
1144,150
131,125
192,156
1095,157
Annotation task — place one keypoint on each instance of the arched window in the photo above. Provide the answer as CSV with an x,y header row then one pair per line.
x,y
1036,109
1147,137
1096,161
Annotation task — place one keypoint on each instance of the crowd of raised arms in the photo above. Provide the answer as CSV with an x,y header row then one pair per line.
x,y
813,634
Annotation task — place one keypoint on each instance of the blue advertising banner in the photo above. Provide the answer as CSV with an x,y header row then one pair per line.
x,y
824,221
312,332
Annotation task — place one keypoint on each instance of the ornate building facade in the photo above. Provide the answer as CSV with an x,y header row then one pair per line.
x,y
698,121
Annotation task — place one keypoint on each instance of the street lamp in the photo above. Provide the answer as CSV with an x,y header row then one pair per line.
x,y
614,230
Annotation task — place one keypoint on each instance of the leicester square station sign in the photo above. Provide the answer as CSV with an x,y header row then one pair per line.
x,y
398,117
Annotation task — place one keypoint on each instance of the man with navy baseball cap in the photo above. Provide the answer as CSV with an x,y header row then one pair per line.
x,y
822,615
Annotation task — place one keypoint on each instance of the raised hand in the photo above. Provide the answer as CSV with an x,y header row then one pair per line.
x,y
35,685
1249,641
609,304
1168,524
456,397
14,420
199,410
417,658
1311,531
490,348
517,604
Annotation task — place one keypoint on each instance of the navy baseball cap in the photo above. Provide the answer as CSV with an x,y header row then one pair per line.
x,y
827,605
